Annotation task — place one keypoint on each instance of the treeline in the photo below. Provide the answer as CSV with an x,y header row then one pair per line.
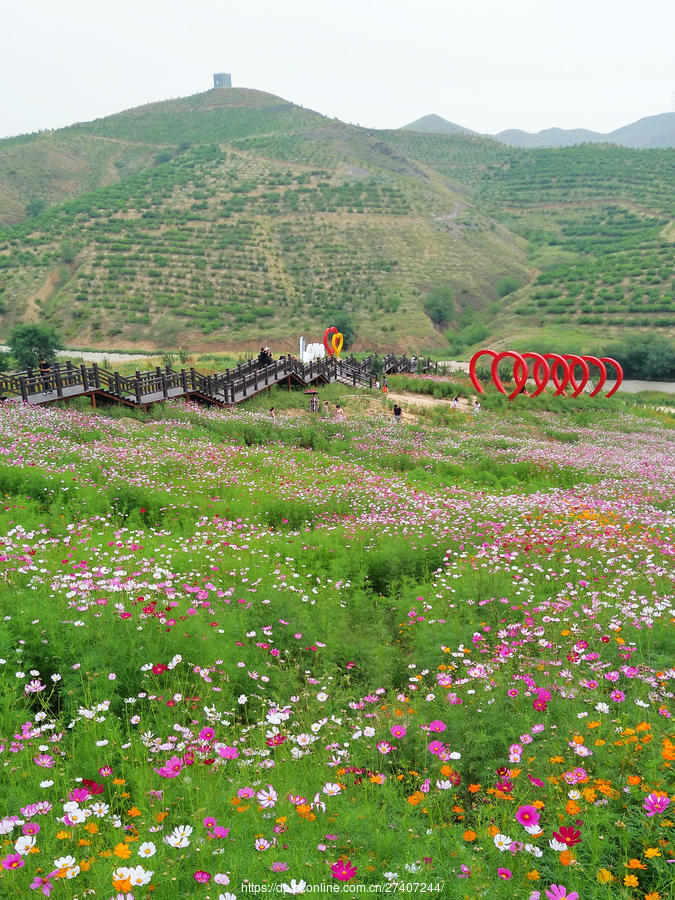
x,y
650,357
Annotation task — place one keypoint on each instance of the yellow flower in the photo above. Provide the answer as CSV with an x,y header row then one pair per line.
x,y
533,875
604,876
63,835
630,880
652,851
653,895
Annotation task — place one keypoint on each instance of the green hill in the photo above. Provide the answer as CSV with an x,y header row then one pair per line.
x,y
234,216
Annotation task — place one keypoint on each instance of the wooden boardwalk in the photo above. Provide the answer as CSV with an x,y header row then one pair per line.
x,y
142,389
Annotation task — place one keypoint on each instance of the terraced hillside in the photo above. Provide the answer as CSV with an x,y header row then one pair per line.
x,y
231,215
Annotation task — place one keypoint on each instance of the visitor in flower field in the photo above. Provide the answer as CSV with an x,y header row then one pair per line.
x,y
455,402
273,414
339,412
377,384
476,406
397,413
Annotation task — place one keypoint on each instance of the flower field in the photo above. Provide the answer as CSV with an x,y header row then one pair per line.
x,y
239,654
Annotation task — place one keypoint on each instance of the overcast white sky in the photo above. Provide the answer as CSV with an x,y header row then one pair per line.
x,y
485,64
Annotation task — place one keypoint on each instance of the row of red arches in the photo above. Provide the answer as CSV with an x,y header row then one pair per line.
x,y
561,369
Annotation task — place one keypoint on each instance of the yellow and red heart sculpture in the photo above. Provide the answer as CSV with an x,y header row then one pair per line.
x,y
333,341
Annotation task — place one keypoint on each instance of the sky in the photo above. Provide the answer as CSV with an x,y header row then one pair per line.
x,y
487,65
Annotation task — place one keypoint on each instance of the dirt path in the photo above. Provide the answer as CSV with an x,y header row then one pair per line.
x,y
46,292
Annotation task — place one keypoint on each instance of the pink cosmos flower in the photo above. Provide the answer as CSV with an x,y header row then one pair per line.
x,y
436,747
228,752
279,867
559,892
202,877
13,861
464,872
384,747
656,802
504,874
343,870
44,760
206,734
44,884
437,726
398,731
171,768
527,815
219,832
31,828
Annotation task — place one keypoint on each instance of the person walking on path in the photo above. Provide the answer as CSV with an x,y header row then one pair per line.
x,y
397,414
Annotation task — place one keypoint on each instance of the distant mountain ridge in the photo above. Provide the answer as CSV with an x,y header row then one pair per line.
x,y
650,132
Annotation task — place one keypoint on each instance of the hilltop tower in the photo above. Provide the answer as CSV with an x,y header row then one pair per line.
x,y
222,79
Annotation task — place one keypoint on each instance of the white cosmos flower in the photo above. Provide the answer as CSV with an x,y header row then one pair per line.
x,y
332,789
502,841
534,850
64,862
558,846
139,875
147,849
295,887
24,843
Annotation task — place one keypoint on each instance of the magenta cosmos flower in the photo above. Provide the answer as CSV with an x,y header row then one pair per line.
x,y
568,835
202,877
437,726
527,815
559,892
656,802
13,861
398,731
343,870
504,874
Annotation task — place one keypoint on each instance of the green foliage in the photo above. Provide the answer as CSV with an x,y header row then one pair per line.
x,y
344,323
507,285
644,356
439,304
30,343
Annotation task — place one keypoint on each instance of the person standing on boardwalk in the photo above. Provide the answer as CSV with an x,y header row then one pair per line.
x,y
45,372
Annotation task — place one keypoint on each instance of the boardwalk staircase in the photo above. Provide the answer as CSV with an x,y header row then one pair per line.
x,y
66,381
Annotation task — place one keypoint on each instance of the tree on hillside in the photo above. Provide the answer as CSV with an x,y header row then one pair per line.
x,y
507,285
344,324
439,304
29,344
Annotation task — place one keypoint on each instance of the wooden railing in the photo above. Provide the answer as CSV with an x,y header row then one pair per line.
x,y
65,380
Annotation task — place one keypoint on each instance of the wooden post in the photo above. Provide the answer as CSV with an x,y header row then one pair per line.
x,y
97,377
231,390
193,378
85,380
165,389
93,399
137,386
59,385
183,380
118,384
24,389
